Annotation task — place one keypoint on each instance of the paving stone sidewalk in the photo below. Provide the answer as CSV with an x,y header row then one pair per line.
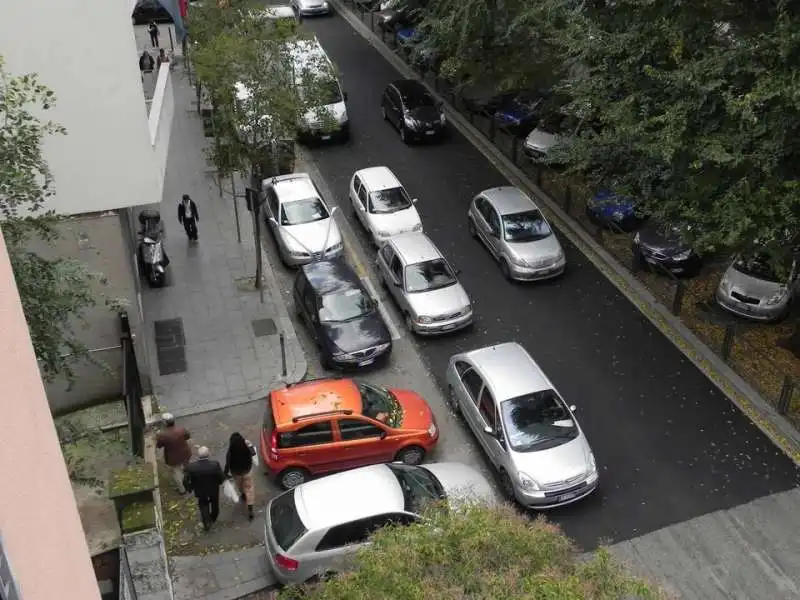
x,y
211,342
225,576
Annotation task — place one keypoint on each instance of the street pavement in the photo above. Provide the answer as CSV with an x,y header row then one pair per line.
x,y
670,446
211,341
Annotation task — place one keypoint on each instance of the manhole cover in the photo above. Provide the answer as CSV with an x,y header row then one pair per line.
x,y
264,327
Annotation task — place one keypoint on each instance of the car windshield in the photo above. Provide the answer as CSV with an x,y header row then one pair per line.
x,y
419,486
388,201
380,404
528,226
344,306
429,275
298,212
418,99
537,421
319,91
759,267
287,527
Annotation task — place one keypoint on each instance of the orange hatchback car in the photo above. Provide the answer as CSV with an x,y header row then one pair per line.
x,y
326,425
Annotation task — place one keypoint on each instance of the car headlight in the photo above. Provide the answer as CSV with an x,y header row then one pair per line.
x,y
325,5
409,122
725,285
335,247
342,355
592,464
636,238
298,254
778,297
467,310
683,255
527,483
423,319
417,227
442,119
432,430
382,347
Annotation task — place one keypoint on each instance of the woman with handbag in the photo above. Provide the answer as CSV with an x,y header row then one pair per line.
x,y
239,464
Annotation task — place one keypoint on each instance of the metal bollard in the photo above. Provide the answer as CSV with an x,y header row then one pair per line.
x,y
677,299
787,391
727,342
282,340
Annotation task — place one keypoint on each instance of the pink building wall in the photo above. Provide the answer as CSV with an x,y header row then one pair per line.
x,y
39,520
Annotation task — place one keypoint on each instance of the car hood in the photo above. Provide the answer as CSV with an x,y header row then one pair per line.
x,y
396,222
310,3
310,237
443,301
541,140
555,464
416,412
462,484
425,114
655,238
317,116
749,285
358,334
547,249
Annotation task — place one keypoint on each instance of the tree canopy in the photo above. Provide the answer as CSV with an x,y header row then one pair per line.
x,y
480,553
54,292
690,107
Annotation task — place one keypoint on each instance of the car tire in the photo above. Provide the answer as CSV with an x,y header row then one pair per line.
x,y
471,226
292,477
506,485
452,400
409,323
383,113
411,455
505,269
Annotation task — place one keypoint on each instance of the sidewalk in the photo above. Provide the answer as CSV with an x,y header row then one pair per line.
x,y
211,342
225,576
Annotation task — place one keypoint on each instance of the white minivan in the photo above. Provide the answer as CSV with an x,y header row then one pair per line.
x,y
314,74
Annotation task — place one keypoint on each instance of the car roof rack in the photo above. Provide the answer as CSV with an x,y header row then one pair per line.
x,y
322,414
302,381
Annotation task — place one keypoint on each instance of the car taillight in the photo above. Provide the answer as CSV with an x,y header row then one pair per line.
x,y
273,445
284,562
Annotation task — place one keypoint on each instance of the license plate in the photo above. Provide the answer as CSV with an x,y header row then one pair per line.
x,y
365,363
430,132
565,497
326,137
448,327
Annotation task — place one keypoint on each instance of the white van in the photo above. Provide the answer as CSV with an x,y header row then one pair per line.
x,y
311,66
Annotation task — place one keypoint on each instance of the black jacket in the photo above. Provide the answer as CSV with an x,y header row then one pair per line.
x,y
182,211
203,477
239,461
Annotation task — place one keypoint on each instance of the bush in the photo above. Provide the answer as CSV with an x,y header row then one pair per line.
x,y
477,553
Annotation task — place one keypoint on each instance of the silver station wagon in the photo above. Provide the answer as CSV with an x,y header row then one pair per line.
x,y
526,429
517,234
424,285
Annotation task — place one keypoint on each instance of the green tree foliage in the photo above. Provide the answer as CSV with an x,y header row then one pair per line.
x,y
54,292
478,553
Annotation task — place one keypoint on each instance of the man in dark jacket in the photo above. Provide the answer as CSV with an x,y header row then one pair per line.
x,y
177,452
203,477
188,216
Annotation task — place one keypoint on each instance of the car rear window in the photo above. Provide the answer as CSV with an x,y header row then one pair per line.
x,y
287,527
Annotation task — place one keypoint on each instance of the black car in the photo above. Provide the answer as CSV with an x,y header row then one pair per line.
x,y
415,113
150,10
342,317
661,246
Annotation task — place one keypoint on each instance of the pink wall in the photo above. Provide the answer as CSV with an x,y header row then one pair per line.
x,y
39,521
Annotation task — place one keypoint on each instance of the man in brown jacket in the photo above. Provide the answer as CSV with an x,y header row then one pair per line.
x,y
177,452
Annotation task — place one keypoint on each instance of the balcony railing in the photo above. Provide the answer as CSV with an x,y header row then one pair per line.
x,y
161,112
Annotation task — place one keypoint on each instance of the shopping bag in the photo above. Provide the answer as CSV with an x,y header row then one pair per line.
x,y
230,491
253,453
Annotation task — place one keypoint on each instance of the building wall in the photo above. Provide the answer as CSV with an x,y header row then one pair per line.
x,y
85,51
42,532
103,242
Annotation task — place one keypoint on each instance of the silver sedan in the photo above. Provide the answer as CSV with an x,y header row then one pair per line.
x,y
307,8
523,425
517,234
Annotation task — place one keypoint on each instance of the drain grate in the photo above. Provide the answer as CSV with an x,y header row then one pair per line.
x,y
264,327
170,342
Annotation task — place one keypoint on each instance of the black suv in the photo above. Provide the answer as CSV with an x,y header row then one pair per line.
x,y
409,107
341,315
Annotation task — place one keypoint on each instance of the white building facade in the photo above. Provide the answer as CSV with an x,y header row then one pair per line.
x,y
112,159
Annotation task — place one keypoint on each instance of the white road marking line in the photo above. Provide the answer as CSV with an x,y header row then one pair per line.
x,y
382,309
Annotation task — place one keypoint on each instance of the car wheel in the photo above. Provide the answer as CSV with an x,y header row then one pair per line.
x,y
505,269
409,323
383,113
507,485
403,135
411,455
292,477
452,399
471,226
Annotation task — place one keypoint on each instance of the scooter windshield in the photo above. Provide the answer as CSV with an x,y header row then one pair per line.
x,y
152,253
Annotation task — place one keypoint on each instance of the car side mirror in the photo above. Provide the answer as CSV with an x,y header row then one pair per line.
x,y
414,200
384,434
573,408
488,431
396,283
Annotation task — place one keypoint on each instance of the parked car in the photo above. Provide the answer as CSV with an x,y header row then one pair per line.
x,y
752,288
516,233
300,220
325,425
382,204
528,432
519,110
394,15
314,530
549,132
480,98
616,212
662,246
342,317
281,13
424,285
410,107
150,10
311,8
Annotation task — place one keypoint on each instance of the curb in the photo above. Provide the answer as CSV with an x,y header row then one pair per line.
x,y
738,391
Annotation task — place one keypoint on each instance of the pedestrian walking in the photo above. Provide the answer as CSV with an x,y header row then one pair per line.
x,y
174,439
154,32
188,216
239,464
146,62
162,58
204,477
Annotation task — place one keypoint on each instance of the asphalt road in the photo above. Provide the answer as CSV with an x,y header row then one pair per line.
x,y
669,446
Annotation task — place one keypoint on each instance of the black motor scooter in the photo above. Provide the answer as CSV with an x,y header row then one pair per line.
x,y
153,259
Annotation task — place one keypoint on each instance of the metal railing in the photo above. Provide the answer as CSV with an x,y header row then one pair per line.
x,y
132,388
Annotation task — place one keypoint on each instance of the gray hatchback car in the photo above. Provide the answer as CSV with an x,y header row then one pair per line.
x,y
523,425
517,234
